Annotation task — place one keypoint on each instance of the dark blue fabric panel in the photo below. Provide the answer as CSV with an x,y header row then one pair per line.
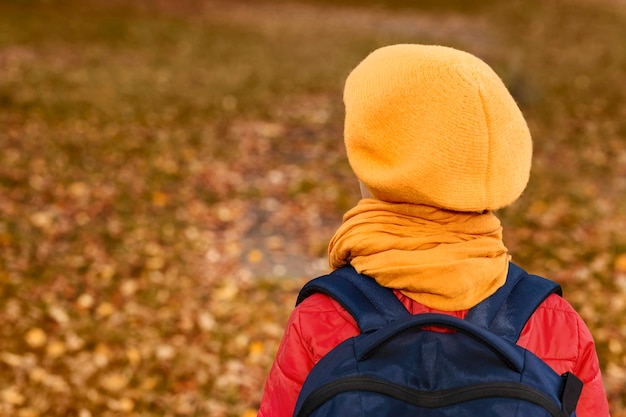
x,y
371,305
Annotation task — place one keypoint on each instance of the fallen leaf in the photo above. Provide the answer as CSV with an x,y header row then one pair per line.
x,y
620,263
55,349
114,381
36,337
159,199
105,310
12,396
255,256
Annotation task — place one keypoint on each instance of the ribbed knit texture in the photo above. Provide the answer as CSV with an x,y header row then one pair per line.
x,y
434,125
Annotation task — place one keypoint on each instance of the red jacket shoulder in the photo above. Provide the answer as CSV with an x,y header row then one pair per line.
x,y
324,324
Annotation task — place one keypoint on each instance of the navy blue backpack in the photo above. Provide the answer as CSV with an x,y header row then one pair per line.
x,y
399,366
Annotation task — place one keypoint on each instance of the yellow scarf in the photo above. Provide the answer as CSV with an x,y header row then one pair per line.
x,y
445,260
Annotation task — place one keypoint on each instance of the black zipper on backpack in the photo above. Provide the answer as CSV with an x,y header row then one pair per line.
x,y
429,399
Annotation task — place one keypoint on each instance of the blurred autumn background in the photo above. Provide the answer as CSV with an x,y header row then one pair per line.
x,y
171,172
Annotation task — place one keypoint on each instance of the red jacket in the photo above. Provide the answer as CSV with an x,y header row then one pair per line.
x,y
555,333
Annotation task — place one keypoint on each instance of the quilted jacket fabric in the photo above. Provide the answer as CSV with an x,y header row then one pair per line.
x,y
555,333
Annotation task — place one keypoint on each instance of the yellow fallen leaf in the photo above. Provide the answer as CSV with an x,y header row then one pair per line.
x,y
28,412
225,214
250,412
233,248
56,383
107,271
155,263
78,189
41,219
165,352
129,287
84,413
256,348
55,349
12,396
37,374
159,199
104,310
255,352
59,314
149,383
125,405
226,293
620,263
615,346
11,359
36,337
73,341
206,321
102,355
255,256
133,355
85,301
114,381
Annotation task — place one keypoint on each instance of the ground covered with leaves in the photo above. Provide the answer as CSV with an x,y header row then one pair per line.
x,y
171,173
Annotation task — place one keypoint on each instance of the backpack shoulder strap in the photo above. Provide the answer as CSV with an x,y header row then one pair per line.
x,y
370,304
508,309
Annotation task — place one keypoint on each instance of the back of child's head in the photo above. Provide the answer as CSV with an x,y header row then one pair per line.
x,y
434,125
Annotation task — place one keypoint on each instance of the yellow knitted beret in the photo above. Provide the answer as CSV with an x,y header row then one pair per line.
x,y
433,125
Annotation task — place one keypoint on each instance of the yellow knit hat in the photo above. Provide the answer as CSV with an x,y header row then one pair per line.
x,y
434,125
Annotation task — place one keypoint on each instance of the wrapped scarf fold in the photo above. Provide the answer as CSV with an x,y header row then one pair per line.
x,y
445,260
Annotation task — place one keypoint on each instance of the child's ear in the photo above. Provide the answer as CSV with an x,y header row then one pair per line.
x,y
365,192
